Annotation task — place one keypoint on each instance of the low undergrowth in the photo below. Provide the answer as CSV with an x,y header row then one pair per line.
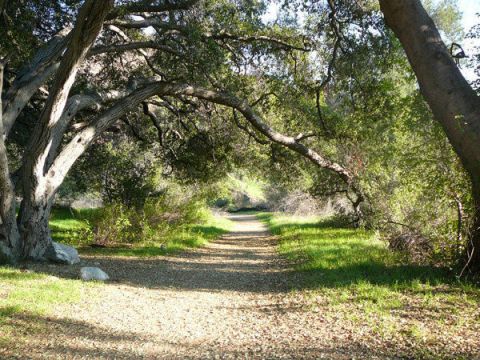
x,y
352,278
169,241
78,227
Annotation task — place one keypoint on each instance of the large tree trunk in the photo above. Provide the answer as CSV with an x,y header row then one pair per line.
x,y
33,220
9,235
37,191
453,102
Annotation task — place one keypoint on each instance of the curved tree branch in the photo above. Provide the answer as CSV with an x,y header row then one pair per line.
x,y
84,138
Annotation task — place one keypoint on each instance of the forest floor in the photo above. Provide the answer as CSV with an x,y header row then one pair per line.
x,y
230,299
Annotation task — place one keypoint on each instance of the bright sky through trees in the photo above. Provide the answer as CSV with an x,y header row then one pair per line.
x,y
471,16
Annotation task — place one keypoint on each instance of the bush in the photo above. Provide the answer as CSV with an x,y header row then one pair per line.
x,y
174,208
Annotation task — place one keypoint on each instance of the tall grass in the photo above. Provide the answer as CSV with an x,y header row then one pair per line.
x,y
171,241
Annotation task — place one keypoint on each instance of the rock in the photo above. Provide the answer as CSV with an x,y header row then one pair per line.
x,y
89,273
62,254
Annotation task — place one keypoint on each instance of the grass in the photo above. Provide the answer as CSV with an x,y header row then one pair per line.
x,y
25,294
27,298
71,226
350,275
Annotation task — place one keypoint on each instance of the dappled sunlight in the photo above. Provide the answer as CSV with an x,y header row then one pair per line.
x,y
334,256
241,260
64,336
349,274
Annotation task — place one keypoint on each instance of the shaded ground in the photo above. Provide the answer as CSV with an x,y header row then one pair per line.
x,y
231,299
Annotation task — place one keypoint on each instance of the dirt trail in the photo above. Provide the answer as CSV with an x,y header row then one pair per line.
x,y
230,299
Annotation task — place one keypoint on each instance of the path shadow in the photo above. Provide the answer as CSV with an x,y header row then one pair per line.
x,y
50,337
39,337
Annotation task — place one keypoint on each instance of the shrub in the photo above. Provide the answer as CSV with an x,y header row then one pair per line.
x,y
175,207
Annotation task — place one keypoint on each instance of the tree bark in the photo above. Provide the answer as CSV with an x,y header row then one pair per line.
x,y
37,190
9,235
454,103
32,76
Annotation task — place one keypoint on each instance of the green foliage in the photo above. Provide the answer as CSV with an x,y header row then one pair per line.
x,y
240,190
203,157
169,242
372,119
369,117
173,221
122,171
159,216
447,16
25,25
473,61
73,226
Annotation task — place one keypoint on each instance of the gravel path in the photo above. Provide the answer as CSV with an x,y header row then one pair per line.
x,y
228,300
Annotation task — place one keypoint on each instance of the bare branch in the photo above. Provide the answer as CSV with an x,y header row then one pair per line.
x,y
74,105
247,130
32,76
257,38
155,121
263,97
222,35
302,136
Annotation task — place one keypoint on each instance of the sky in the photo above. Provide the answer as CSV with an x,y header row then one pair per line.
x,y
470,10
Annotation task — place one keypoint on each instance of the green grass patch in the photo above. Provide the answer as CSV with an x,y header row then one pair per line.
x,y
32,295
351,273
34,292
71,226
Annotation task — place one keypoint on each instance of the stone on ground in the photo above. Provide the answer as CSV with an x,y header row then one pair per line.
x,y
62,254
93,273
